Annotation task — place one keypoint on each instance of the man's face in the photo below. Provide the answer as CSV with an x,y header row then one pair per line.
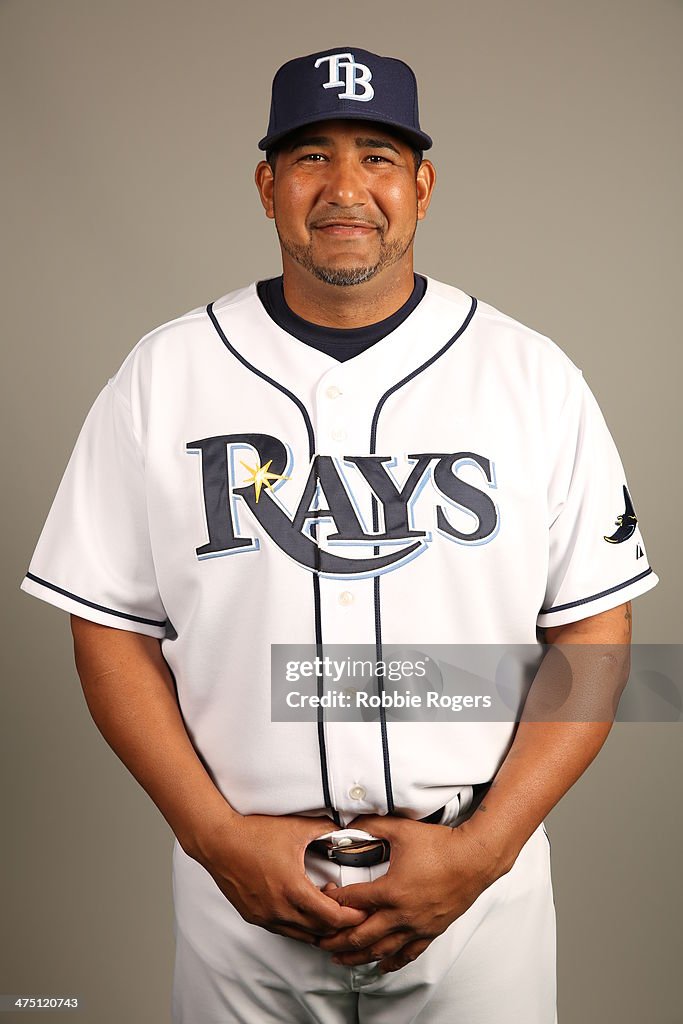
x,y
345,199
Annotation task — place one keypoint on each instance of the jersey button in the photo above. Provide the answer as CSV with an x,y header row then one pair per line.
x,y
346,597
333,391
339,434
357,793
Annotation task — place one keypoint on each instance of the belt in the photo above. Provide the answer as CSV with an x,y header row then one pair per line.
x,y
356,853
364,853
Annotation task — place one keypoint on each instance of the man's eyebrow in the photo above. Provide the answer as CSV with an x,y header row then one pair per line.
x,y
376,144
309,140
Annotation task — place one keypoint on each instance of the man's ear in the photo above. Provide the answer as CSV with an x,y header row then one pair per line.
x,y
425,181
265,184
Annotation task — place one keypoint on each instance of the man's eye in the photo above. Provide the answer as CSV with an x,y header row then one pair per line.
x,y
377,157
313,157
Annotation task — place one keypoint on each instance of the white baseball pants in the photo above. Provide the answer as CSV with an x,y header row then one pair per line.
x,y
494,965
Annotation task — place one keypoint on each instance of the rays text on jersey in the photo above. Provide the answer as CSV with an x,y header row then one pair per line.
x,y
337,490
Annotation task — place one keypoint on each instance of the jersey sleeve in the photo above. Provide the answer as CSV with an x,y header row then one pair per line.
x,y
94,557
597,557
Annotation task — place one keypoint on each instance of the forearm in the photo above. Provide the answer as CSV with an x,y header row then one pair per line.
x,y
566,720
131,696
544,761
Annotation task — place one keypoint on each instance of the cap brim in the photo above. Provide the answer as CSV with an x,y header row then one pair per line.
x,y
418,139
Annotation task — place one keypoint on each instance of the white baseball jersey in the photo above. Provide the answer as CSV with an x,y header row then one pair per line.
x,y
234,488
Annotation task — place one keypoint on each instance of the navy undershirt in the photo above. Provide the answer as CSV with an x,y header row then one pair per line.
x,y
341,343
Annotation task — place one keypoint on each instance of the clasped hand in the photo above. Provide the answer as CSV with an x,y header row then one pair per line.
x,y
257,861
435,874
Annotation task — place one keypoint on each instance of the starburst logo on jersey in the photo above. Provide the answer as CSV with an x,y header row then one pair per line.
x,y
365,505
260,476
354,75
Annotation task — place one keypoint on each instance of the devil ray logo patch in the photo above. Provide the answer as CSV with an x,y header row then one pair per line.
x,y
625,523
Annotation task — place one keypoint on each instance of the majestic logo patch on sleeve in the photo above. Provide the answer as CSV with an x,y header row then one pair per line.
x,y
625,523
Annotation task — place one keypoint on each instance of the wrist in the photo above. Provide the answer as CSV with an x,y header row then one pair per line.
x,y
497,848
208,832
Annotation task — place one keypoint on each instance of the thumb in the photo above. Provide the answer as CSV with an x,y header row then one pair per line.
x,y
341,915
358,915
366,896
313,828
381,825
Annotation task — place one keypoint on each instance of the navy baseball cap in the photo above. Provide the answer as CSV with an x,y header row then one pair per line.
x,y
344,82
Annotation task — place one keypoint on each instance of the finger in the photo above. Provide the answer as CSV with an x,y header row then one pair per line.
x,y
314,828
362,895
351,940
380,950
319,912
405,956
300,934
380,825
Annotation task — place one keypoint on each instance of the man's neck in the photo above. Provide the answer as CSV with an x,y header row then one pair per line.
x,y
347,306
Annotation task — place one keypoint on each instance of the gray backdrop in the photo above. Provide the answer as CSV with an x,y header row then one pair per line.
x,y
129,132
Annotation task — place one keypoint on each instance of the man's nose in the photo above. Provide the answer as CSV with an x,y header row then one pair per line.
x,y
345,185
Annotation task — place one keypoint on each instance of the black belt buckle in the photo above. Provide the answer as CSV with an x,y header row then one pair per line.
x,y
364,853
359,853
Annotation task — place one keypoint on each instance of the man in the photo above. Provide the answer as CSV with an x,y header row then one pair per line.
x,y
348,454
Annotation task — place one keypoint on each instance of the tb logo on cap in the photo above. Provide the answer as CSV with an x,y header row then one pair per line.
x,y
354,74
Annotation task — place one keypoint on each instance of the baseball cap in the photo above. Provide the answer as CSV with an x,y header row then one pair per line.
x,y
344,82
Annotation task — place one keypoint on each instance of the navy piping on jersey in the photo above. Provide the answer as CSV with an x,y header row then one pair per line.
x,y
264,376
327,798
375,527
375,519
91,604
595,597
